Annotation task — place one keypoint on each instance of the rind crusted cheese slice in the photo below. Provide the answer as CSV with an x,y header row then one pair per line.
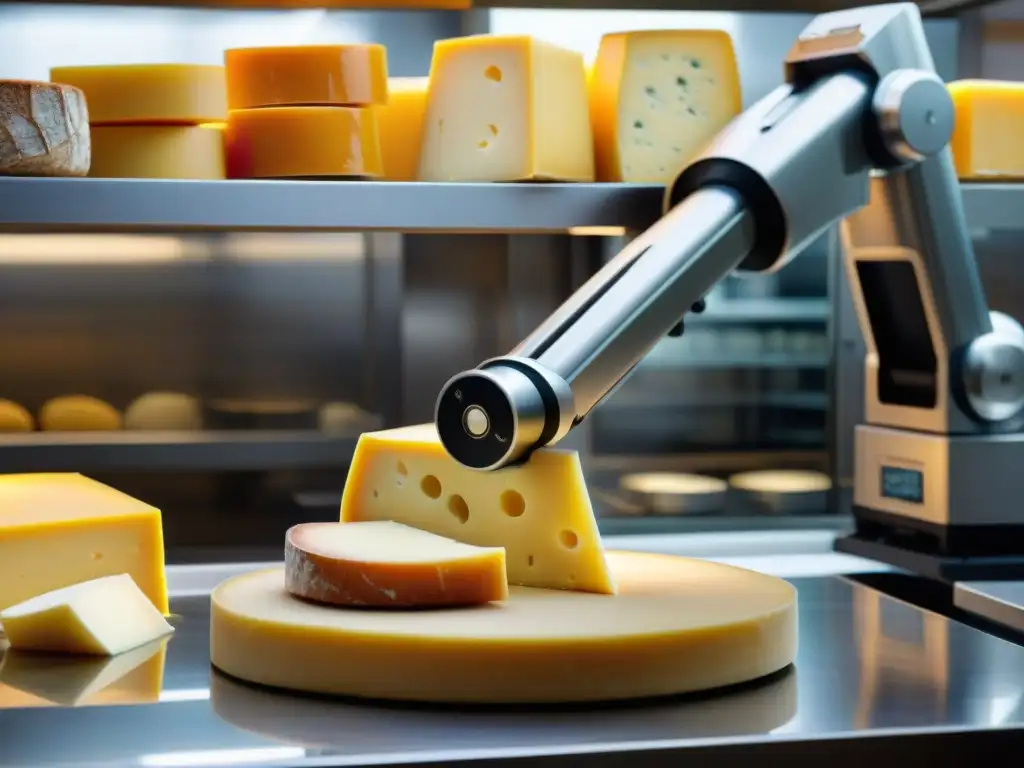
x,y
101,617
656,98
388,565
986,141
147,94
506,108
158,152
540,512
299,142
61,529
401,127
353,75
44,130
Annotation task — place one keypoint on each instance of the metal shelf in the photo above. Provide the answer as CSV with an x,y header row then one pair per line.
x,y
163,451
155,205
928,7
993,206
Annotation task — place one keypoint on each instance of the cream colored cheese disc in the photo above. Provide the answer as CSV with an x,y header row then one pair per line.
x,y
677,625
673,482
781,481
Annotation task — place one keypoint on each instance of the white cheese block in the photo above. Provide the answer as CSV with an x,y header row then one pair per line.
x,y
102,617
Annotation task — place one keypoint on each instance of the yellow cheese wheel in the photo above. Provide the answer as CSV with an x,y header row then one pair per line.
x,y
15,417
44,130
401,126
677,625
175,94
389,565
78,413
164,411
340,75
301,142
158,152
987,131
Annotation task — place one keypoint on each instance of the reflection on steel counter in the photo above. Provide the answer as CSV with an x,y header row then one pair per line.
x,y
981,694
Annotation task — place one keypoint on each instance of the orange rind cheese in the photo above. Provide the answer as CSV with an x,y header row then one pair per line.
x,y
389,565
987,131
158,152
400,122
506,108
539,512
307,75
656,98
149,94
61,529
303,142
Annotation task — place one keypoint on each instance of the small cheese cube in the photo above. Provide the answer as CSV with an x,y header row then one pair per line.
x,y
401,127
60,529
656,98
388,565
506,108
987,131
102,617
539,512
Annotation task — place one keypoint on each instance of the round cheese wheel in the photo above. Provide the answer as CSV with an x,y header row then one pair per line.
x,y
677,625
164,411
44,130
15,418
158,152
675,493
781,481
182,94
341,75
245,413
301,142
78,413
341,417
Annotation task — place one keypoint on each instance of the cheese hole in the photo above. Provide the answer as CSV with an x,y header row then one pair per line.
x,y
493,129
482,144
458,507
440,126
403,473
376,493
512,503
493,73
568,538
431,486
97,555
529,561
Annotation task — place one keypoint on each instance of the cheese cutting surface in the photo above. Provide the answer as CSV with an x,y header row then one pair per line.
x,y
676,626
926,672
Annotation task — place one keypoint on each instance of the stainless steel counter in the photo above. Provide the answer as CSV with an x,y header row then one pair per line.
x,y
920,688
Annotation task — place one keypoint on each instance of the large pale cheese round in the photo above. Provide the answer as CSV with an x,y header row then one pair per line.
x,y
78,413
176,94
302,142
15,417
341,75
158,152
164,411
677,625
44,130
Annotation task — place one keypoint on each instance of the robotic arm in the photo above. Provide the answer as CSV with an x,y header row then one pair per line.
x,y
859,130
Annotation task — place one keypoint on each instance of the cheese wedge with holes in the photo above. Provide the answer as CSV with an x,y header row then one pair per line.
x,y
354,75
101,617
506,108
44,130
383,564
656,98
986,134
303,142
540,512
158,152
401,127
61,529
147,94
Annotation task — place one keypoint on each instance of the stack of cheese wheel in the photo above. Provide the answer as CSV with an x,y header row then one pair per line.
x,y
305,111
153,121
44,130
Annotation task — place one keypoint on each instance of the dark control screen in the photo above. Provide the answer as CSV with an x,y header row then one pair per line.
x,y
903,484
